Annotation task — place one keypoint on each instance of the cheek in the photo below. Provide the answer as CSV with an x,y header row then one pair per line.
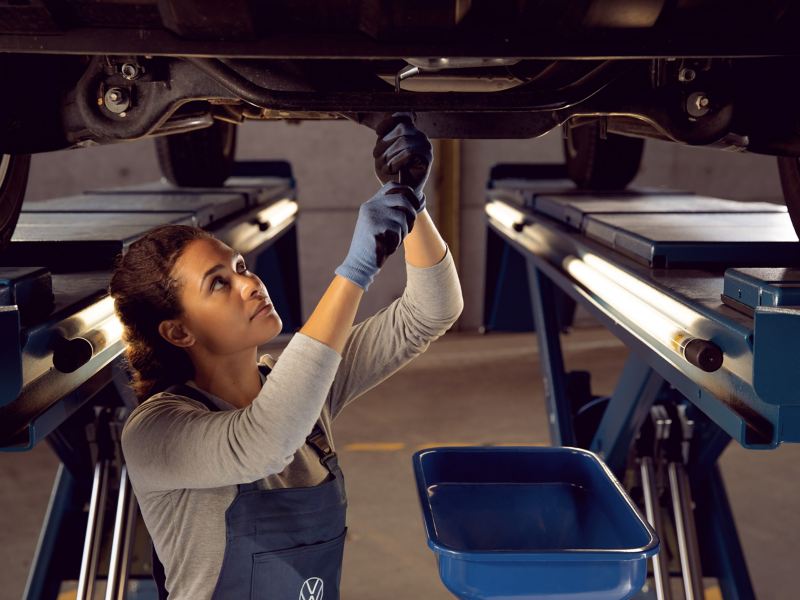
x,y
217,327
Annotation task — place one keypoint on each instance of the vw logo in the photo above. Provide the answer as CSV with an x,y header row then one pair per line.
x,y
312,589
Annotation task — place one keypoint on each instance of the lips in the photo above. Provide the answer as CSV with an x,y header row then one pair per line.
x,y
260,308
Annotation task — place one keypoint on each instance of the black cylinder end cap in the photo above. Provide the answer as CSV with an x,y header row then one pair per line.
x,y
704,355
71,355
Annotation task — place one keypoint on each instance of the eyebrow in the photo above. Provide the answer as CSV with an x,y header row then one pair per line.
x,y
217,267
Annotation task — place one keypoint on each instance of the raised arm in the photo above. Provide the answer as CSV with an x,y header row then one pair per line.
x,y
432,300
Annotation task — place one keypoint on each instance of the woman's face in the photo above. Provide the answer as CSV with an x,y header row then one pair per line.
x,y
226,308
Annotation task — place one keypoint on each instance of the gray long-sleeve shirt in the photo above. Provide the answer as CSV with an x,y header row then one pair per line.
x,y
185,461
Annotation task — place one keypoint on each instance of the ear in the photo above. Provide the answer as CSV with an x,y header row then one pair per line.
x,y
176,333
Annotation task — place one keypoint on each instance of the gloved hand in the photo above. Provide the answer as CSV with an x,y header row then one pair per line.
x,y
403,154
383,223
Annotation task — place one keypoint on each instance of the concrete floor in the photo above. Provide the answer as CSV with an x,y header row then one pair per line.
x,y
466,389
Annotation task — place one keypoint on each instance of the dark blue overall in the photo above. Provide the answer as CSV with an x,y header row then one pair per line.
x,y
281,544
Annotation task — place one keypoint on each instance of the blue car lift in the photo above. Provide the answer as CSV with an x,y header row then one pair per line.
x,y
702,292
63,381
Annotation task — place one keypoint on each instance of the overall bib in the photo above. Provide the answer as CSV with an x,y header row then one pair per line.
x,y
281,544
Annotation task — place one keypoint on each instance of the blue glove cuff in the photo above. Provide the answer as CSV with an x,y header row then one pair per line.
x,y
363,278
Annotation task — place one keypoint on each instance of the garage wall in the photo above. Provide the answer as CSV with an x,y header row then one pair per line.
x,y
332,162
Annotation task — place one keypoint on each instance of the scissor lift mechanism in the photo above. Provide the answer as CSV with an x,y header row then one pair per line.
x,y
63,381
713,350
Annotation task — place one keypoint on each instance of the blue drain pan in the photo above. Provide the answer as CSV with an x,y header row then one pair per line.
x,y
531,523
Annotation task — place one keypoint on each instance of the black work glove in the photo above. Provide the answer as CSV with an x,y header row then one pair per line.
x,y
403,154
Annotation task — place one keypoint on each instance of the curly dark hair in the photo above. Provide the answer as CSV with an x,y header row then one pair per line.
x,y
145,294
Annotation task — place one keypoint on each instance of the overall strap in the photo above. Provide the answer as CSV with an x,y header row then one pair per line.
x,y
319,442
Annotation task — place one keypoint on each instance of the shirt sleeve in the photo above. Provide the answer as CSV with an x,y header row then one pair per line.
x,y
382,344
172,442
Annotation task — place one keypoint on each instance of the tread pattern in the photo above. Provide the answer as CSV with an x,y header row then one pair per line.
x,y
201,158
601,164
12,193
789,170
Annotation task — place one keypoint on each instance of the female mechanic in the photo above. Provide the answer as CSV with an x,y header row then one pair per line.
x,y
231,455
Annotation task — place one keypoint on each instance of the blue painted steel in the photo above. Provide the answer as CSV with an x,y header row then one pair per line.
x,y
776,352
559,525
627,409
572,209
207,206
10,354
763,287
41,581
510,308
708,442
717,533
39,426
693,239
544,304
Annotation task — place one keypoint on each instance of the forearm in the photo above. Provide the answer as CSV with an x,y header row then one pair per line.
x,y
424,246
335,313
386,341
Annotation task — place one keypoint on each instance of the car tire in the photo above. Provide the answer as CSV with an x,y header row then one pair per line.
x,y
201,158
13,182
601,163
789,170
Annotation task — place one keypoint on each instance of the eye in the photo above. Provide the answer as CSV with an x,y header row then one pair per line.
x,y
217,280
241,267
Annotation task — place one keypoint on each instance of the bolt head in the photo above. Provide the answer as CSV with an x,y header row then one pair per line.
x,y
117,100
701,102
698,104
686,75
129,71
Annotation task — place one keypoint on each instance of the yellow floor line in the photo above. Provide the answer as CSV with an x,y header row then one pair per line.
x,y
713,593
397,446
438,444
375,447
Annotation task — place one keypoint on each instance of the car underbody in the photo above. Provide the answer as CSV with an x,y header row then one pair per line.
x,y
697,72
700,73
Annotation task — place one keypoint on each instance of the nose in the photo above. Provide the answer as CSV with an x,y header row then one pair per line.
x,y
252,287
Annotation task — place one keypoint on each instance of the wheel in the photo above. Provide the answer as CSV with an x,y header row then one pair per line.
x,y
789,169
13,181
201,158
600,163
